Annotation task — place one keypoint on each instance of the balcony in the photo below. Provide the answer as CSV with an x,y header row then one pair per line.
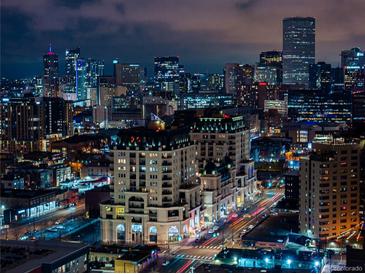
x,y
166,192
165,177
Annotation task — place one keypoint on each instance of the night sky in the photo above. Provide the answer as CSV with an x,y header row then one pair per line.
x,y
204,33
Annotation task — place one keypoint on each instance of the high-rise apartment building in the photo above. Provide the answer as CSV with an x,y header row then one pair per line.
x,y
298,49
329,190
21,125
50,74
221,135
155,194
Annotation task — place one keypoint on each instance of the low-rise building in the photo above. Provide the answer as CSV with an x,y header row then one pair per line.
x,y
43,256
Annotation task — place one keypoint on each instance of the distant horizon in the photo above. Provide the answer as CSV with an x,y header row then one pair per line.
x,y
205,34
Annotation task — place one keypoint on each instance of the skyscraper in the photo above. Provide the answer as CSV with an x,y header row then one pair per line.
x,y
167,73
71,55
50,74
236,76
131,76
353,65
270,61
320,76
95,69
298,49
81,73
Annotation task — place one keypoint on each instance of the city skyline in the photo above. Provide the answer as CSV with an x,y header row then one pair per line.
x,y
125,31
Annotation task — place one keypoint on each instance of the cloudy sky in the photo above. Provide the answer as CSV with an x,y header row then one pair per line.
x,y
204,33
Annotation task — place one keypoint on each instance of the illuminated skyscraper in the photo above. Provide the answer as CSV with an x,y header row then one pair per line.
x,y
167,73
71,56
298,49
50,74
131,76
236,76
95,68
320,76
270,61
353,64
81,73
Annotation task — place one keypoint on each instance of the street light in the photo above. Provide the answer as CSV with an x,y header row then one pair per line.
x,y
317,263
289,261
266,260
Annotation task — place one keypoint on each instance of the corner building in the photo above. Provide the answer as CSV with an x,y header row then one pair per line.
x,y
329,191
156,195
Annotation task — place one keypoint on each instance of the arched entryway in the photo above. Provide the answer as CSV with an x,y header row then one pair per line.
x,y
120,232
173,234
153,234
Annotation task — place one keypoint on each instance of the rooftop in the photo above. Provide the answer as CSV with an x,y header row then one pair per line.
x,y
29,256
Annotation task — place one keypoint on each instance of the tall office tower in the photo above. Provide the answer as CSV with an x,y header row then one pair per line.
x,y
298,49
38,86
237,77
329,190
215,82
80,78
230,78
184,82
95,69
353,64
56,116
273,59
50,74
320,76
21,125
266,74
246,75
155,194
166,71
131,76
337,79
71,55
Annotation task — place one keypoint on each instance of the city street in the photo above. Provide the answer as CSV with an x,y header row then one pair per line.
x,y
190,255
43,222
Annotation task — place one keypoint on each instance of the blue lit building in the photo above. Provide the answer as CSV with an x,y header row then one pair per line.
x,y
71,56
81,74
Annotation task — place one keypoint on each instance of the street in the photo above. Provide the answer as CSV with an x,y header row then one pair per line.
x,y
43,222
189,255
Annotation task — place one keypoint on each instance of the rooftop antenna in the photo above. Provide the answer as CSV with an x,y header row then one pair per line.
x,y
50,47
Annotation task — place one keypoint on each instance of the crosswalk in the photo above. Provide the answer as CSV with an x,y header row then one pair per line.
x,y
209,246
195,257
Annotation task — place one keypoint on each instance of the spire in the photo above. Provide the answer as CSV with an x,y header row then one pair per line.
x,y
50,52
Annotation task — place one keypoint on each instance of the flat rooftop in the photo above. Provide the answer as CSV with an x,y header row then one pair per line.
x,y
26,256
